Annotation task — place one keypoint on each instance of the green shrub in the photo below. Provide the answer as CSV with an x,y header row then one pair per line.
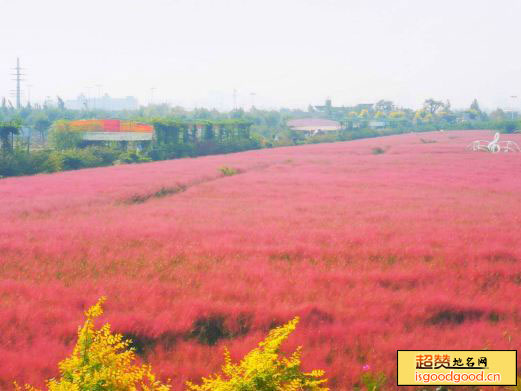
x,y
133,157
377,151
510,126
20,162
107,155
62,139
40,161
23,163
373,382
9,165
228,171
73,159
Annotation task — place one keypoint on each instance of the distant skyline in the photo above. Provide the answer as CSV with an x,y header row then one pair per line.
x,y
285,53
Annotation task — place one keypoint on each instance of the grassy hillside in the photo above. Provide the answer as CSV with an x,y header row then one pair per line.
x,y
401,242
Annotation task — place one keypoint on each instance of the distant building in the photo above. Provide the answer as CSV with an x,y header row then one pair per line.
x,y
104,103
377,124
314,125
112,130
339,111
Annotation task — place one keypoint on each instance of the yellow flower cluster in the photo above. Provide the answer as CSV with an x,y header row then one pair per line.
x,y
518,387
102,361
263,369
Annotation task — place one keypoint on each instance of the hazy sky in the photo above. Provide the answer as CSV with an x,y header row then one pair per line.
x,y
288,52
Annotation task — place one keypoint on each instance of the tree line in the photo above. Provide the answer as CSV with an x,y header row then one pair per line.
x,y
31,143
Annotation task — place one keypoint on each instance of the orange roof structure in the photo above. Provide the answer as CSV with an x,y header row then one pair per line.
x,y
110,125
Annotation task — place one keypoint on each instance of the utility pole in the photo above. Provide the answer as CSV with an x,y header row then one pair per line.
x,y
234,99
18,78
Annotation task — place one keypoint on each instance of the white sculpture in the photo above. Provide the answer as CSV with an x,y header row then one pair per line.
x,y
494,146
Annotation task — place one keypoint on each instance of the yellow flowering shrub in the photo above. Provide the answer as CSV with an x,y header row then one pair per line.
x,y
102,361
518,387
263,369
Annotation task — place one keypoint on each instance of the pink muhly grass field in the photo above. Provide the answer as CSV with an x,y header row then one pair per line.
x,y
414,248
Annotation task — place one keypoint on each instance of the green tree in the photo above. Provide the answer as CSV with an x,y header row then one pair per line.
x,y
364,114
39,120
475,106
61,103
498,115
62,137
432,106
41,126
474,112
384,106
7,131
446,115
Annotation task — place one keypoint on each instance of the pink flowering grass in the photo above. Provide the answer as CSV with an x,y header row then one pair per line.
x,y
414,248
